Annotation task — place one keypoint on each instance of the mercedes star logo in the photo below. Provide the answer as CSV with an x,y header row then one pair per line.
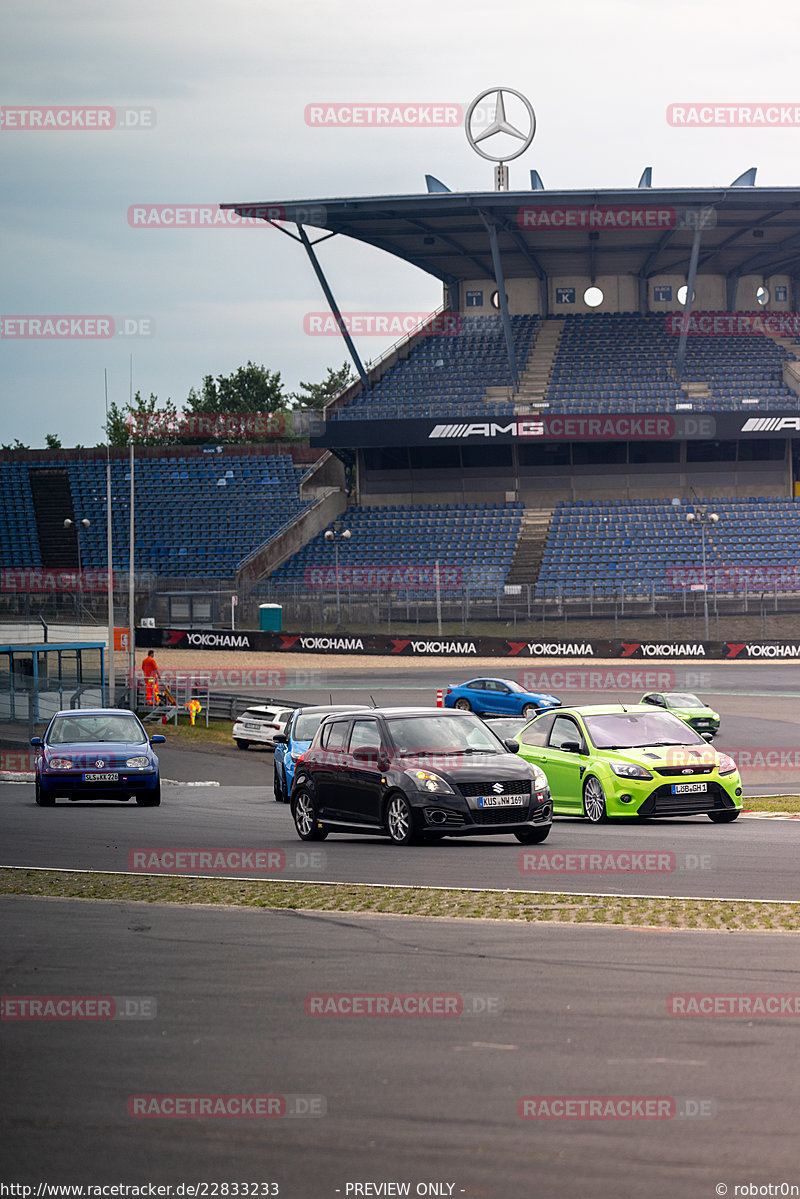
x,y
500,125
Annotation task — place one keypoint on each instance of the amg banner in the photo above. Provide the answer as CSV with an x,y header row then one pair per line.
x,y
553,427
464,646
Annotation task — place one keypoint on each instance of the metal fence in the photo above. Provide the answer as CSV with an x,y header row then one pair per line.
x,y
463,607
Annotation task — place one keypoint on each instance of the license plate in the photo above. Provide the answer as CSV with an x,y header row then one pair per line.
x,y
101,778
499,801
685,788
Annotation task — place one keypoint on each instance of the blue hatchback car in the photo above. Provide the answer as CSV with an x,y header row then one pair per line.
x,y
97,753
295,740
500,697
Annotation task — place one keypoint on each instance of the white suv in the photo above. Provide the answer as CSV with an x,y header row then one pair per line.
x,y
259,724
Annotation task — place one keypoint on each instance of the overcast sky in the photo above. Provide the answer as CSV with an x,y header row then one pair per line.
x,y
228,83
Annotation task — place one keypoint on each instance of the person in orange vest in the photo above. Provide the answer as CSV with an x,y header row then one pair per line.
x,y
151,678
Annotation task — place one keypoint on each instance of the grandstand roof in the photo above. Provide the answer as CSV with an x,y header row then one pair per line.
x,y
752,230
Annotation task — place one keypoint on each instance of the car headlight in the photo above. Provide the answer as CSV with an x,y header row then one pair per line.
x,y
138,763
424,780
539,778
60,763
629,770
725,764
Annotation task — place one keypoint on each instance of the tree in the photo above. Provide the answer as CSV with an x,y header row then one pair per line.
x,y
52,441
18,445
249,389
143,423
317,395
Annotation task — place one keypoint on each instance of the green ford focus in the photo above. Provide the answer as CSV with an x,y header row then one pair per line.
x,y
688,707
634,761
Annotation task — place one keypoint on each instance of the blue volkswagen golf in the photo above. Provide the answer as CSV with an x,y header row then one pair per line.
x,y
97,753
295,740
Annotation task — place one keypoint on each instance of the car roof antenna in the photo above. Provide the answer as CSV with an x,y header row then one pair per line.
x,y
373,703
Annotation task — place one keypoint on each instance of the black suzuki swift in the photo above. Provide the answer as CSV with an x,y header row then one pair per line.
x,y
414,773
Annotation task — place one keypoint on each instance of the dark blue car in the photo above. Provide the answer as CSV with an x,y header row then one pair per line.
x,y
294,741
97,753
500,697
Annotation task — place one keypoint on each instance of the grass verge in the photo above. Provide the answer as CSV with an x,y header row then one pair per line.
x,y
555,908
772,803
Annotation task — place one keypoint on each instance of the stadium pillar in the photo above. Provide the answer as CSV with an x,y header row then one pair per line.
x,y
681,359
337,316
642,281
491,229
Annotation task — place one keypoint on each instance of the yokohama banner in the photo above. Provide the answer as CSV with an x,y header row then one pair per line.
x,y
249,641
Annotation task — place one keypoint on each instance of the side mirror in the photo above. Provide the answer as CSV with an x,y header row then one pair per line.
x,y
366,754
281,739
36,741
511,745
158,739
705,736
571,747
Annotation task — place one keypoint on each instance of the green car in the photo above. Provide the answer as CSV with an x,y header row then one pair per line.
x,y
688,707
630,760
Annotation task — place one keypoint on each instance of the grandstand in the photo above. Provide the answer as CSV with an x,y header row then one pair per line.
x,y
552,434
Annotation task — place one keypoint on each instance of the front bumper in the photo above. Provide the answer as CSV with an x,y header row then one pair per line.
x,y
656,797
72,784
459,816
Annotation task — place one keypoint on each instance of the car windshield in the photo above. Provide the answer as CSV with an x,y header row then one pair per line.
x,y
632,730
683,699
442,734
67,730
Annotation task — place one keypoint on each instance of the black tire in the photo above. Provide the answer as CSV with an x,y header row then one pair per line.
x,y
44,801
151,799
533,836
400,820
529,711
463,705
277,788
725,817
304,814
594,801
242,744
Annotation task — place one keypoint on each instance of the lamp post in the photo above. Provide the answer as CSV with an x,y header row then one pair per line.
x,y
704,518
335,534
79,526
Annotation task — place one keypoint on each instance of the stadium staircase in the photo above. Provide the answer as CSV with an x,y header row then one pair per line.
x,y
52,505
528,555
791,366
535,378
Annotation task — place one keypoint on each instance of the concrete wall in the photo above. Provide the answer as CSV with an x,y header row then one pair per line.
x,y
288,541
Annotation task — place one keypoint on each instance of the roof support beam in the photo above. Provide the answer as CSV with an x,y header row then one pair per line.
x,y
491,229
337,316
681,358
